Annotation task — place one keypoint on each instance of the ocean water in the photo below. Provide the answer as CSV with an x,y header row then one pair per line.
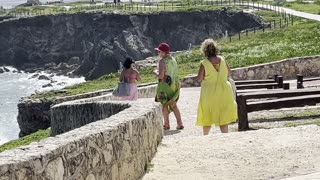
x,y
13,86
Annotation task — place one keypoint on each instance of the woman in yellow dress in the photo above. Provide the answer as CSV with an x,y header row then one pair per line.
x,y
217,104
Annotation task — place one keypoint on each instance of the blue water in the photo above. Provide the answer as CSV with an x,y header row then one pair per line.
x,y
13,86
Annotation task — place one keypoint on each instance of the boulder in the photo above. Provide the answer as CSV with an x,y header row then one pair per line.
x,y
43,77
6,69
47,85
34,76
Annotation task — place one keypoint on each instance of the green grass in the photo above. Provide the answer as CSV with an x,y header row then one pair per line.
x,y
125,8
149,167
35,137
301,39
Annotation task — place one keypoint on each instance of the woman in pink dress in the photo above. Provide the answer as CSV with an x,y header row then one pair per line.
x,y
130,75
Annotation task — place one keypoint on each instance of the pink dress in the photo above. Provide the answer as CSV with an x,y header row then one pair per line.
x,y
133,91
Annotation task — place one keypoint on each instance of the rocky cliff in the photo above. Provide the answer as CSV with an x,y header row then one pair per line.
x,y
93,44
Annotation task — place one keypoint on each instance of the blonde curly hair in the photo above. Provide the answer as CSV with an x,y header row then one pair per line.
x,y
209,48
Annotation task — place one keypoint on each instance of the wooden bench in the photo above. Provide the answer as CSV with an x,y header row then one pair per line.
x,y
258,86
263,81
273,83
288,98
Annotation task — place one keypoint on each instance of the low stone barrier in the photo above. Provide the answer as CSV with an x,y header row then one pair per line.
x,y
68,117
35,114
288,68
114,147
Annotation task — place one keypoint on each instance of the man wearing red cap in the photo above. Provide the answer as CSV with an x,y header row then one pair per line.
x,y
168,89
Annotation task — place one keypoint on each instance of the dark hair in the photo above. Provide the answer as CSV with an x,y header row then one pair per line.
x,y
127,63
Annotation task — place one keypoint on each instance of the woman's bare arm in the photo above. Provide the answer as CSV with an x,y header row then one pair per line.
x,y
137,75
121,77
229,70
162,70
201,73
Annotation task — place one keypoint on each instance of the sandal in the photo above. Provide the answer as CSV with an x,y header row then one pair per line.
x,y
180,127
166,127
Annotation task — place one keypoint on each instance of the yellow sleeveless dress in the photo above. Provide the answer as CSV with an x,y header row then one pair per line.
x,y
217,104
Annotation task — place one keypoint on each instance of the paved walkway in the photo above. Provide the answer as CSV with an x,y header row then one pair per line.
x,y
315,17
263,154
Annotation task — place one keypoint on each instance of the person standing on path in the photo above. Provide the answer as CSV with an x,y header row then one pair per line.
x,y
130,75
216,105
169,85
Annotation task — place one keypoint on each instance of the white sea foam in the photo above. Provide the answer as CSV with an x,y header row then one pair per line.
x,y
13,86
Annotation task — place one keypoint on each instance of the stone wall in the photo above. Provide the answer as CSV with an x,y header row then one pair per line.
x,y
68,117
288,68
34,114
117,148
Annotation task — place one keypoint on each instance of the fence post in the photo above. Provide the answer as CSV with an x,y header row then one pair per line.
x,y
292,19
246,32
239,35
280,82
270,25
275,77
254,30
229,38
280,24
262,28
299,81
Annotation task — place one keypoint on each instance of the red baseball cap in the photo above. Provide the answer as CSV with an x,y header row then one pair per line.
x,y
163,47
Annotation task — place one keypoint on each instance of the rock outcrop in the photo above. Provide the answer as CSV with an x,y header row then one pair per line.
x,y
96,42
